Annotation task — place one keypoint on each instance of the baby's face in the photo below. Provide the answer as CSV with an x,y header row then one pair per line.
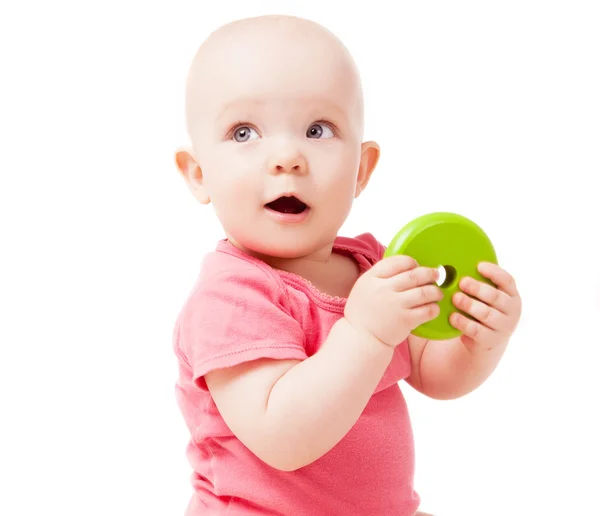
x,y
276,122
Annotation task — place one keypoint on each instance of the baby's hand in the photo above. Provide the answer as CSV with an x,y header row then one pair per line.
x,y
392,298
495,310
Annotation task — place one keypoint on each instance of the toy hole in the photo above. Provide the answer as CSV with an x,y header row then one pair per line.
x,y
447,276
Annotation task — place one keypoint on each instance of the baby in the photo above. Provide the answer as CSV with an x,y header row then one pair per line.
x,y
293,341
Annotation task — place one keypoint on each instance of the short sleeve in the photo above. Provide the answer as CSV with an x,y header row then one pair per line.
x,y
237,314
367,244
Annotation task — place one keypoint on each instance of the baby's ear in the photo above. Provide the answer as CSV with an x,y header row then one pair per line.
x,y
188,167
368,160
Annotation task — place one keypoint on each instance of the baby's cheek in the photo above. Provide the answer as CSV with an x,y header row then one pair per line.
x,y
340,188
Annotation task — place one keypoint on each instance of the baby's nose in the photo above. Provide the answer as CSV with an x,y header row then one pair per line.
x,y
288,160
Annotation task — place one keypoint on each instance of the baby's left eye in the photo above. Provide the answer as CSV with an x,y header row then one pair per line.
x,y
319,131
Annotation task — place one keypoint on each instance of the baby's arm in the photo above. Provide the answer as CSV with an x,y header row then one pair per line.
x,y
452,368
447,369
289,413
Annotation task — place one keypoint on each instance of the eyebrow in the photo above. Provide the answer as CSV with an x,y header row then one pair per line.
x,y
247,104
238,104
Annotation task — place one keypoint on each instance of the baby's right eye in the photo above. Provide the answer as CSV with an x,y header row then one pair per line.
x,y
244,133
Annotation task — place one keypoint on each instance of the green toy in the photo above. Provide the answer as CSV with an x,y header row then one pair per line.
x,y
448,241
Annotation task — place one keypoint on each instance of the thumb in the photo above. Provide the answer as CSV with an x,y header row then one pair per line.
x,y
392,265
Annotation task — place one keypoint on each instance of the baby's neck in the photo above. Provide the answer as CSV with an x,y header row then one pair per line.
x,y
334,277
304,266
331,273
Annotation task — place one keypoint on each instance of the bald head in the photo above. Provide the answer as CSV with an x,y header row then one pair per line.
x,y
273,57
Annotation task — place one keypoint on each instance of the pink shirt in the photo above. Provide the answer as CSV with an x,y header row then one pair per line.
x,y
241,309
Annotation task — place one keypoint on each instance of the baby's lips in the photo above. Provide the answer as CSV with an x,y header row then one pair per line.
x,y
287,194
288,204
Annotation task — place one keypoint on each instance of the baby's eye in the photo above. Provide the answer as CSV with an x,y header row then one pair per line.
x,y
244,133
319,131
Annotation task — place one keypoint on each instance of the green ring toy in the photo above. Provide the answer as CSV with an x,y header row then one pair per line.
x,y
448,241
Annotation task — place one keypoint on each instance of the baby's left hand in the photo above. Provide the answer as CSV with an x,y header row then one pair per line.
x,y
496,310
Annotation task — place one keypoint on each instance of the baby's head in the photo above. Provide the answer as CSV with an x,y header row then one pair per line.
x,y
275,116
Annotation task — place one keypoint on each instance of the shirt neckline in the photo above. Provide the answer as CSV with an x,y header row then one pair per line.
x,y
335,303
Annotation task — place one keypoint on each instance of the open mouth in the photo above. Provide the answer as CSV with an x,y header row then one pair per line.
x,y
286,204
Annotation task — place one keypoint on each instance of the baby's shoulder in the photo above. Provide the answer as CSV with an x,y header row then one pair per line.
x,y
365,244
231,273
226,261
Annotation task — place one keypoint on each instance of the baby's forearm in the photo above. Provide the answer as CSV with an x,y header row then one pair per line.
x,y
312,407
450,370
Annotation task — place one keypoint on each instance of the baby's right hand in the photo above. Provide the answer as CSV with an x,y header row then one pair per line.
x,y
392,298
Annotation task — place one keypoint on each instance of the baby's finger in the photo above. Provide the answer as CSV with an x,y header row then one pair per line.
x,y
393,265
477,331
422,314
499,277
485,314
415,278
421,296
489,295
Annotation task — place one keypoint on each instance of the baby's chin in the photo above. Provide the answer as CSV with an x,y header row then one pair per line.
x,y
283,247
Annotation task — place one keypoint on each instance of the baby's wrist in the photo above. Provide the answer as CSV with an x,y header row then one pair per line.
x,y
365,336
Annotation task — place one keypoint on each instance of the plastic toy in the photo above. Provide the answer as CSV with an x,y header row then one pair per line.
x,y
453,244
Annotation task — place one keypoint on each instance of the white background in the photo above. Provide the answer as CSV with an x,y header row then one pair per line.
x,y
489,109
